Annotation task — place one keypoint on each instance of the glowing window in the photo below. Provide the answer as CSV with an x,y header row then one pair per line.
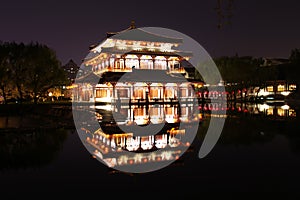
x,y
169,93
270,89
160,64
184,92
146,64
154,93
270,111
139,112
129,63
143,43
112,60
138,93
169,110
280,88
101,93
292,87
280,112
153,111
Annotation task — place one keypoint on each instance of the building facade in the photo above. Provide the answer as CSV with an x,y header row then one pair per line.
x,y
71,69
136,66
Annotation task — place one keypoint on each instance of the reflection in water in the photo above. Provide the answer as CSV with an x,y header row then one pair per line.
x,y
271,111
245,124
115,136
256,152
30,149
140,135
248,124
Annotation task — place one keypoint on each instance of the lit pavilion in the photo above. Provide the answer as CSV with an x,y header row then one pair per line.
x,y
136,66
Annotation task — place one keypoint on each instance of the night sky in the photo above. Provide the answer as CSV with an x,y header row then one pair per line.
x,y
258,28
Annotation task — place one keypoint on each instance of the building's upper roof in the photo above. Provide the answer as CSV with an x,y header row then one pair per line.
x,y
90,77
70,65
138,34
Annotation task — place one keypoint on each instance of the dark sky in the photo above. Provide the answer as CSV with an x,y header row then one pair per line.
x,y
258,28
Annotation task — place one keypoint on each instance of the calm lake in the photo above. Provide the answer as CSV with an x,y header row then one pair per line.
x,y
258,151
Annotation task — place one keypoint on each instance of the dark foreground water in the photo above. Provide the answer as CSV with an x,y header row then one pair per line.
x,y
259,151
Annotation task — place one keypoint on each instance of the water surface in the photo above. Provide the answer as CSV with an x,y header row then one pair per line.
x,y
259,151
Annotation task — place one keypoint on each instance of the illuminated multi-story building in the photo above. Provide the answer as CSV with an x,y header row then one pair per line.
x,y
136,66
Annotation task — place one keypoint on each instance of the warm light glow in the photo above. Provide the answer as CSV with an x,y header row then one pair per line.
x,y
140,84
171,85
280,88
131,56
270,88
292,87
71,86
146,57
286,93
285,107
264,107
104,107
160,58
263,93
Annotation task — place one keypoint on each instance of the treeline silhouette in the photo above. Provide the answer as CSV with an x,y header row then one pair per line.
x,y
27,71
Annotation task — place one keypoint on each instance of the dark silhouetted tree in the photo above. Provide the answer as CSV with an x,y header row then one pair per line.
x,y
295,56
5,71
43,70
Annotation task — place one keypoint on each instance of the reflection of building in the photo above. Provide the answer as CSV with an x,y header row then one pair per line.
x,y
154,71
273,111
110,143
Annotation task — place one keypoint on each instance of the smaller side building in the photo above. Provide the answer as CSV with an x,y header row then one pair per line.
x,y
71,69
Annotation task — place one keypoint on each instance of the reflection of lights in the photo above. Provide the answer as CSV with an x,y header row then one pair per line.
x,y
285,93
285,107
98,154
132,144
104,107
156,120
173,131
158,158
263,93
264,107
141,121
281,112
146,145
171,119
131,161
167,155
174,142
